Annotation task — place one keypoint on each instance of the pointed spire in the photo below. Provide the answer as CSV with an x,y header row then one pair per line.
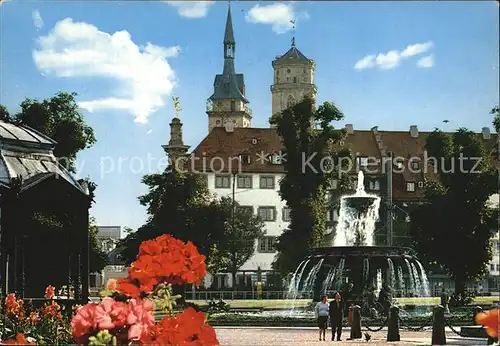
x,y
229,35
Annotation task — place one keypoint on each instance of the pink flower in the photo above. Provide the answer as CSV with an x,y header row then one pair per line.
x,y
112,285
84,320
140,317
111,314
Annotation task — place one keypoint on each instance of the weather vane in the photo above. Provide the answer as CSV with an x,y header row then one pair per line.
x,y
293,31
177,105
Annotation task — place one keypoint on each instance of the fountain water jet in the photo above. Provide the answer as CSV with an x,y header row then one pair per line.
x,y
356,258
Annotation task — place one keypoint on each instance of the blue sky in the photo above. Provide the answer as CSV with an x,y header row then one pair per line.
x,y
431,61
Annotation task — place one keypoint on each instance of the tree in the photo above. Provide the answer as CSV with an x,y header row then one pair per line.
x,y
181,205
311,162
453,226
4,114
496,118
59,118
242,229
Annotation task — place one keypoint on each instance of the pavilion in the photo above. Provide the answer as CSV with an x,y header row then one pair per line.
x,y
44,217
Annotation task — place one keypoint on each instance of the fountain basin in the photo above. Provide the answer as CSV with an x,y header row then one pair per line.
x,y
359,203
361,251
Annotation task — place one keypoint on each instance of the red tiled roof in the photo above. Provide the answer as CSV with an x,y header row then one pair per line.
x,y
226,147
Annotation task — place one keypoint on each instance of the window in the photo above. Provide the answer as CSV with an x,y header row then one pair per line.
x,y
295,79
245,159
286,214
267,244
276,159
329,215
335,215
266,182
362,161
498,267
287,79
267,213
415,165
374,185
244,182
222,181
410,187
492,267
247,209
233,106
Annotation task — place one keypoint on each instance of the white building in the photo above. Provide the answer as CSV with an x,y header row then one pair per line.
x,y
108,237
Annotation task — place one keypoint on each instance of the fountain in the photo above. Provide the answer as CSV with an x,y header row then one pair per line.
x,y
354,259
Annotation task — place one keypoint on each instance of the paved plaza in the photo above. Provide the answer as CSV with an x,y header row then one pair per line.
x,y
254,336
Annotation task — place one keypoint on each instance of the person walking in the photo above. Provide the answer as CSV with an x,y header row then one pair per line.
x,y
336,312
322,310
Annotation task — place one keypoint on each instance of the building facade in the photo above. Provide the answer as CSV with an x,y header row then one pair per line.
x,y
245,163
108,238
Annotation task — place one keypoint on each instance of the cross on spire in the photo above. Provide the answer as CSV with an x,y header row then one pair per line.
x,y
293,31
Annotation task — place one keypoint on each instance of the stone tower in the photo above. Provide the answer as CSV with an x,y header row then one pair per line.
x,y
293,79
175,149
228,102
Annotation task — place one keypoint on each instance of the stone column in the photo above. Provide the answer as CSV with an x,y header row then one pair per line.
x,y
438,325
393,325
356,323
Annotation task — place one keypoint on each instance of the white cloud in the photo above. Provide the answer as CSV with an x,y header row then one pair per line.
x,y
279,15
37,19
393,58
416,49
149,131
142,74
191,9
426,61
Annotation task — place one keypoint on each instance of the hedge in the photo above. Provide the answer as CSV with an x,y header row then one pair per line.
x,y
245,320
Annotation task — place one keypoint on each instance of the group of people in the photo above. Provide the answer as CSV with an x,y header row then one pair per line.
x,y
333,311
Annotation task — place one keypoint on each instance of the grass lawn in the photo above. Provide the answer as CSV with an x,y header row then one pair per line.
x,y
284,303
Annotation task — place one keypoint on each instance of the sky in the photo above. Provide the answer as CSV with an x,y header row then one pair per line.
x,y
385,64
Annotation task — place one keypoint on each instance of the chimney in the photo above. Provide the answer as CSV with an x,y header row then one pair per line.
x,y
414,131
349,128
229,126
486,133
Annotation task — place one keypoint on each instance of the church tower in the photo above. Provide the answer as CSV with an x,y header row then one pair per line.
x,y
293,79
228,102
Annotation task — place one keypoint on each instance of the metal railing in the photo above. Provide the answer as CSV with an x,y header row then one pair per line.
x,y
211,107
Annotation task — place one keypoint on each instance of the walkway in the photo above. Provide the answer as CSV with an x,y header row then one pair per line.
x,y
256,336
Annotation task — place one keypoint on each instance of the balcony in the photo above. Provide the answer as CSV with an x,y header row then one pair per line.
x,y
211,107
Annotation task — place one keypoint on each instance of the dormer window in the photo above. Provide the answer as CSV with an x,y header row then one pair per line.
x,y
245,159
362,161
275,159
